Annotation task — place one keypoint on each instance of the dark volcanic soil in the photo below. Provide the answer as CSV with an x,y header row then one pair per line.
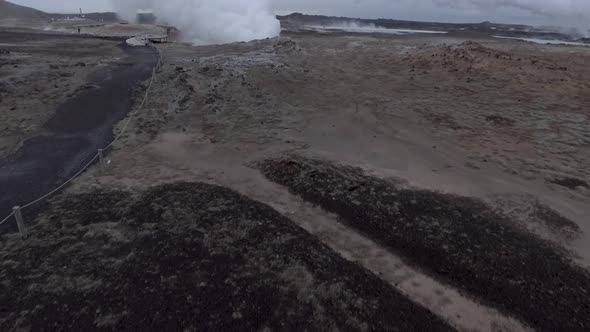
x,y
455,238
188,256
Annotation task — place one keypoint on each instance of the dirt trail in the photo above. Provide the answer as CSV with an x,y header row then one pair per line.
x,y
460,311
72,136
188,159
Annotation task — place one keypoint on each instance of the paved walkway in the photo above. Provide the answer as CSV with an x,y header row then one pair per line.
x,y
79,128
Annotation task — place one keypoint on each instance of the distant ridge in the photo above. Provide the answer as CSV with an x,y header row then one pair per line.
x,y
300,18
11,10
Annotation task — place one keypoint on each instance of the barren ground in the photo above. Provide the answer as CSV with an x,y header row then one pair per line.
x,y
450,170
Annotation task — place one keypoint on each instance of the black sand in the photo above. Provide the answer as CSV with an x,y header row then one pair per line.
x,y
457,239
188,256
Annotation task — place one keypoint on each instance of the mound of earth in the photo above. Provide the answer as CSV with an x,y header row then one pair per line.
x,y
472,57
188,257
11,10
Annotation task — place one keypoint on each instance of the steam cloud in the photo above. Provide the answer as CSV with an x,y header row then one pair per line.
x,y
223,21
209,21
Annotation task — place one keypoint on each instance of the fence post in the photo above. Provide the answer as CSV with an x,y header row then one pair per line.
x,y
101,157
19,221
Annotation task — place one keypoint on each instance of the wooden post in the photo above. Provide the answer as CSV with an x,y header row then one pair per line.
x,y
19,221
101,158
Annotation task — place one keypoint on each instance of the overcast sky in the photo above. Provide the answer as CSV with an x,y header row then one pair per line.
x,y
564,12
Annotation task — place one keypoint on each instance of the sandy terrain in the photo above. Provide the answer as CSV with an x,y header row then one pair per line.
x,y
470,195
499,120
39,74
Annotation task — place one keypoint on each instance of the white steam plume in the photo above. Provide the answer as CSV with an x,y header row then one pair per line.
x,y
209,21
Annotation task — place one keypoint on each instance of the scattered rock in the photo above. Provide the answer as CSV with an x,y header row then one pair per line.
x,y
571,183
212,98
88,87
286,45
500,121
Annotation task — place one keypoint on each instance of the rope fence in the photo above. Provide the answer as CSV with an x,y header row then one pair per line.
x,y
16,212
7,217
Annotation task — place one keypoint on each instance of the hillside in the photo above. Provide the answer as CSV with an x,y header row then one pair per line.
x,y
11,10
